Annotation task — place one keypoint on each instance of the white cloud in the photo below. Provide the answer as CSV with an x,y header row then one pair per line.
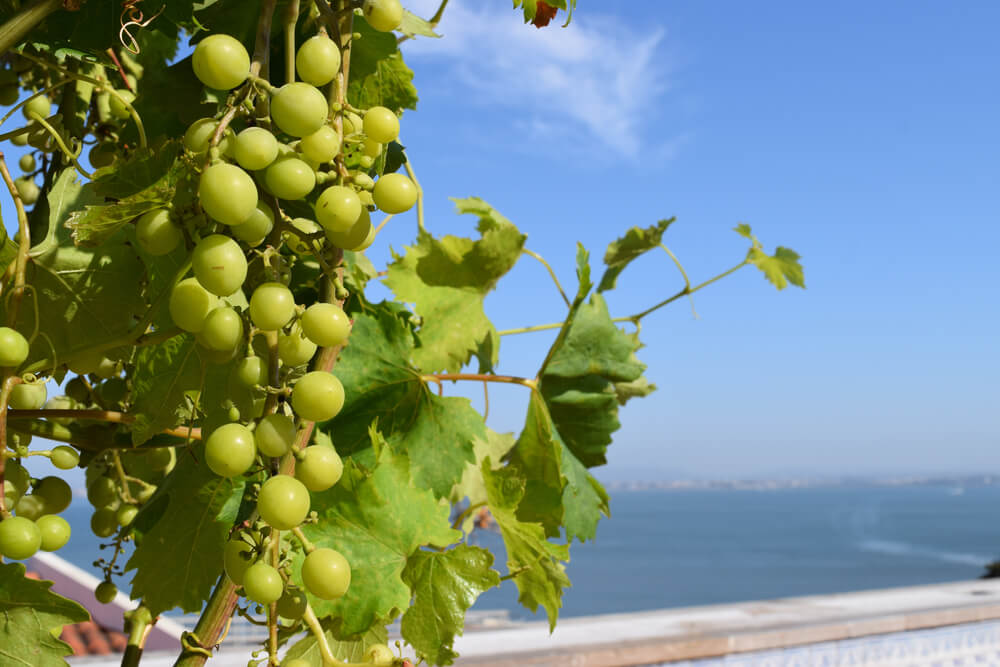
x,y
605,78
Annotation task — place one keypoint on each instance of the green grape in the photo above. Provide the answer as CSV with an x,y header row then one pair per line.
x,y
101,155
283,502
321,146
326,324
16,479
156,234
363,181
326,574
30,507
54,532
39,104
294,349
338,208
271,306
20,139
379,654
104,522
9,94
13,347
27,396
227,193
19,538
161,459
102,492
356,236
296,241
55,494
105,592
320,467
27,162
371,148
383,15
117,103
112,391
27,190
230,450
318,396
255,148
77,390
395,193
274,435
290,178
126,515
251,371
60,403
255,229
381,125
298,109
190,304
366,161
318,60
87,362
352,123
221,62
223,329
292,604
64,457
10,494
219,264
262,583
236,559
199,135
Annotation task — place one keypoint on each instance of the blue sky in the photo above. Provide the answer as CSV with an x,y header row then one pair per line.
x,y
864,137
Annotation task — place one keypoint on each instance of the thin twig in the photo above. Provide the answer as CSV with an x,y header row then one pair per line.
x,y
552,273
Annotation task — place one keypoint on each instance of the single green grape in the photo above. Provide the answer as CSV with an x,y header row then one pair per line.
x,y
64,457
326,574
27,396
54,532
19,538
227,193
161,459
30,507
254,230
223,329
199,135
395,193
326,324
381,125
105,592
221,62
292,604
383,15
251,371
296,241
190,304
156,233
318,396
262,583
379,654
356,236
338,208
294,349
272,306
117,103
126,515
102,491
101,155
318,60
39,104
283,502
321,146
13,347
104,522
371,149
55,494
320,467
298,109
219,264
236,559
290,178
274,435
255,148
16,477
113,390
352,123
27,162
78,390
9,94
27,190
230,450
20,139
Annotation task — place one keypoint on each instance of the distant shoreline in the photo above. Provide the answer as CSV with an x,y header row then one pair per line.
x,y
957,483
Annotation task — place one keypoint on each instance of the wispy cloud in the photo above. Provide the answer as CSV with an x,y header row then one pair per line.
x,y
599,75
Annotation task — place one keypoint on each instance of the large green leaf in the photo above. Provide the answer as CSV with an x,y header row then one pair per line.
x,y
378,74
377,522
447,280
352,650
185,527
622,251
444,585
436,433
31,618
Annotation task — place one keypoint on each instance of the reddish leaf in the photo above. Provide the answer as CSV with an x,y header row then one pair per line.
x,y
544,14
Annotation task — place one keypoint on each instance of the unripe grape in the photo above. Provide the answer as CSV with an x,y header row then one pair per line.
x,y
117,103
338,208
356,236
290,178
236,559
9,94
227,193
274,435
379,654
13,347
363,181
156,234
230,450
256,228
199,135
321,146
381,125
223,330
326,574
320,467
251,371
104,522
292,604
105,592
54,532
294,349
255,148
161,459
27,162
102,492
19,538
39,105
20,139
55,494
352,123
101,155
219,264
283,502
395,193
383,15
221,62
298,109
318,60
126,515
371,149
190,304
272,306
262,583
27,396
318,396
16,478
30,507
64,457
326,324
112,391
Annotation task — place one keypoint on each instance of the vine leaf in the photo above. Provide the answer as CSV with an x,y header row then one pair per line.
x,y
353,650
437,433
781,268
536,563
378,74
32,617
184,530
377,522
412,25
444,585
447,280
624,250
535,10
495,446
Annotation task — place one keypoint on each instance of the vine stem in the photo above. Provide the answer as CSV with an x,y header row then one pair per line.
x,y
420,192
123,478
9,381
291,18
17,26
466,513
479,377
552,273
687,282
62,145
110,416
140,624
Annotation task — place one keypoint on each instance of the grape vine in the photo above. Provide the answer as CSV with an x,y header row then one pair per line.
x,y
258,435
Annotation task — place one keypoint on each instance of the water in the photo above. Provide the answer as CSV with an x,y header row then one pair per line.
x,y
678,548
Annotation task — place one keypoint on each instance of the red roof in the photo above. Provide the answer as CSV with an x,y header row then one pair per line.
x,y
89,638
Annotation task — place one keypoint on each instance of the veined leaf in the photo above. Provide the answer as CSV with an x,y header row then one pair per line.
x,y
622,252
